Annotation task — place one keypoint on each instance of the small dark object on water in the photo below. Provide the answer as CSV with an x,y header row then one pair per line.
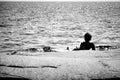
x,y
32,49
107,79
48,67
12,78
47,49
2,25
14,52
67,48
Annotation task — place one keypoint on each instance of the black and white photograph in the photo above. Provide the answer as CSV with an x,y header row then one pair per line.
x,y
59,40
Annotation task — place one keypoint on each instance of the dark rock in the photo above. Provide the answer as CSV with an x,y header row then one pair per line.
x,y
14,52
47,49
107,79
48,67
67,48
32,50
12,78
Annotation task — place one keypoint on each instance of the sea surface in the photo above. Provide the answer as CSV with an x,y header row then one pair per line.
x,y
57,24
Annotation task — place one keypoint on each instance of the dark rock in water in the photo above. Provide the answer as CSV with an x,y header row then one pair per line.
x,y
12,78
48,67
11,52
14,52
32,50
67,48
107,79
3,25
47,49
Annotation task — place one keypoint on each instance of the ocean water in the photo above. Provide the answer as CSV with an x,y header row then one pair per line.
x,y
57,24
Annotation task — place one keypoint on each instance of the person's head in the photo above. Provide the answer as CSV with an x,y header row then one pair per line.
x,y
87,37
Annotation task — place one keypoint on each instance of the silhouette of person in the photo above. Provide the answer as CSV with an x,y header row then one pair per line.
x,y
87,45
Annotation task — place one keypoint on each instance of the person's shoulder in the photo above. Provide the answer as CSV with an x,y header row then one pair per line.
x,y
92,43
82,42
